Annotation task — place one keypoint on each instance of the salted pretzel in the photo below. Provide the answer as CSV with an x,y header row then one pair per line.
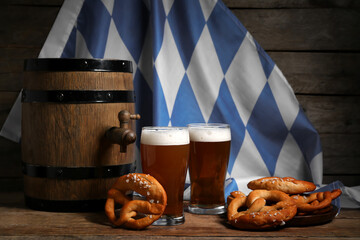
x,y
287,185
257,214
153,207
234,195
316,212
315,201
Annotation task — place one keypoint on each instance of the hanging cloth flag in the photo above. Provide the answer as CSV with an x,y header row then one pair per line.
x,y
194,61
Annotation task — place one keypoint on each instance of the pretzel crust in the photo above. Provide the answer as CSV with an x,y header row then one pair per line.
x,y
234,195
143,184
288,185
315,201
258,215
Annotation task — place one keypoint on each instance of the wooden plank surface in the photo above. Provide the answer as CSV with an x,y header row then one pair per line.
x,y
12,65
41,3
235,3
332,114
290,3
284,29
26,26
18,221
7,99
341,154
303,29
319,72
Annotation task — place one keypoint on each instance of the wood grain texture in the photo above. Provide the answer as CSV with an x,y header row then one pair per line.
x,y
292,4
332,114
341,156
40,3
7,99
348,180
73,135
26,26
320,73
12,65
303,29
284,29
67,190
10,152
235,3
18,221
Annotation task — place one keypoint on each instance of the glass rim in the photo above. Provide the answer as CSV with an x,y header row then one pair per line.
x,y
211,125
167,135
163,128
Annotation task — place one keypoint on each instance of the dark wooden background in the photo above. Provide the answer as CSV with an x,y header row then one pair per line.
x,y
316,44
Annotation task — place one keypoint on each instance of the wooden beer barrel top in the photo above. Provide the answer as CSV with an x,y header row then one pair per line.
x,y
77,74
77,64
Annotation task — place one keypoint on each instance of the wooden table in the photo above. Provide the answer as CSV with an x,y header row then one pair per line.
x,y
18,222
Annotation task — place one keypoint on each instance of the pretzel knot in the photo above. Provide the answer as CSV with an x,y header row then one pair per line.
x,y
258,214
133,211
234,195
315,201
287,185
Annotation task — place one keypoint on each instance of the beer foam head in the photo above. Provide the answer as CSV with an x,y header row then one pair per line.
x,y
209,133
165,136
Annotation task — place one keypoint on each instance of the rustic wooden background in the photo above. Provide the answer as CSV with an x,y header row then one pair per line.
x,y
316,43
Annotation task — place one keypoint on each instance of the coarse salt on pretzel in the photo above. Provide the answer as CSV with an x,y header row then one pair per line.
x,y
258,215
315,201
234,195
152,208
287,185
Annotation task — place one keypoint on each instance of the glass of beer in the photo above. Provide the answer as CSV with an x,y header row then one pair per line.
x,y
209,157
165,156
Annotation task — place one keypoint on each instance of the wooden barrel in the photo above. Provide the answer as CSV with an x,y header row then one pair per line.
x,y
67,106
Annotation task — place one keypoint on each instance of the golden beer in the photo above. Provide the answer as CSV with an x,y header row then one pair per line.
x,y
164,155
209,157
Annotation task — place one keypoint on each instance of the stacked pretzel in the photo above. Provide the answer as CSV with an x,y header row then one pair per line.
x,y
274,201
136,214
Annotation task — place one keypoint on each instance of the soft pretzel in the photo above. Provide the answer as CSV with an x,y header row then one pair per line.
x,y
258,215
316,212
153,207
315,201
234,195
287,185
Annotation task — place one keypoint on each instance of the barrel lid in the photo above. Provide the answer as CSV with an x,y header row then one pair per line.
x,y
77,64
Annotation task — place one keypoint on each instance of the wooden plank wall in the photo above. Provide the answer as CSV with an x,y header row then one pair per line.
x,y
314,42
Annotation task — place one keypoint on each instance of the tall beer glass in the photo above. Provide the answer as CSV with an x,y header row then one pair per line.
x,y
165,156
209,157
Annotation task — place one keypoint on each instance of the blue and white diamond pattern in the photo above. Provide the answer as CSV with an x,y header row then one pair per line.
x,y
115,47
247,71
169,68
195,62
204,67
